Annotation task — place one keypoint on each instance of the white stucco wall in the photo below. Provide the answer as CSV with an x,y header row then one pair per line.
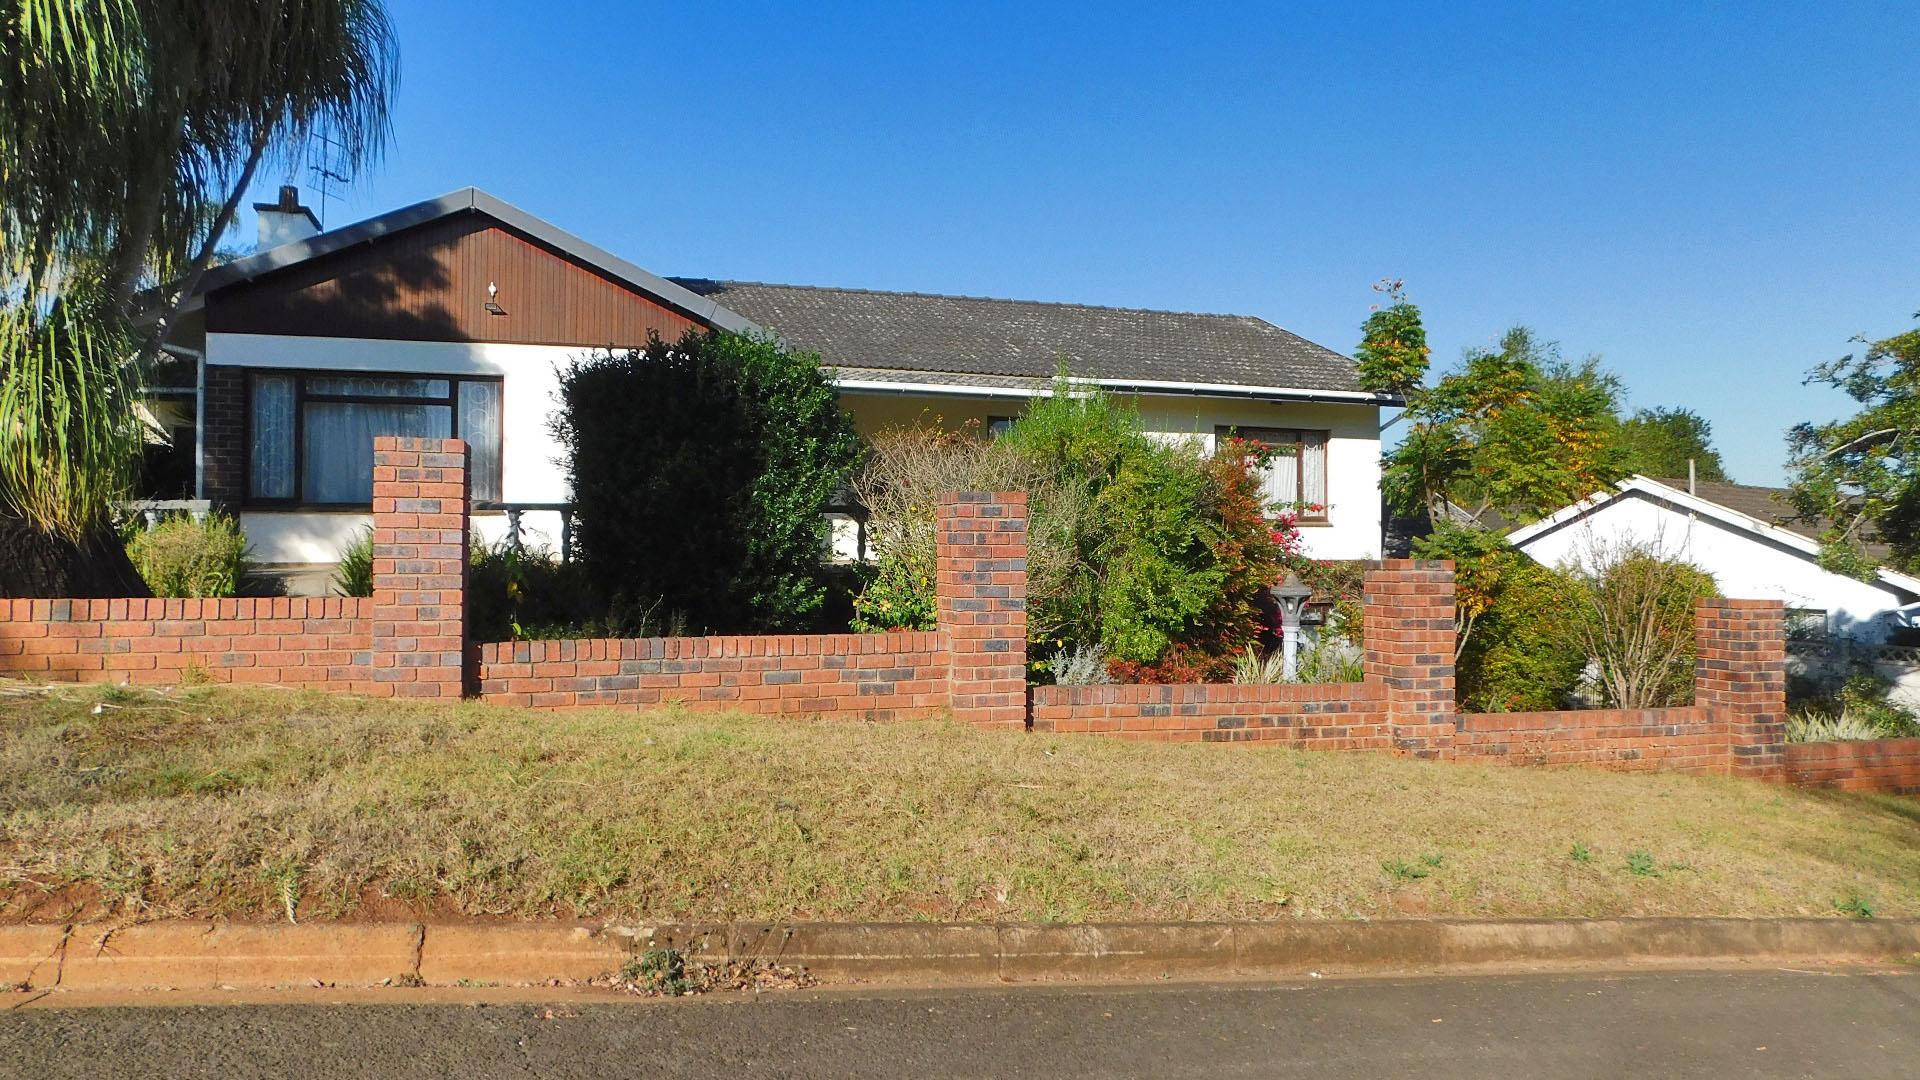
x,y
1744,565
531,471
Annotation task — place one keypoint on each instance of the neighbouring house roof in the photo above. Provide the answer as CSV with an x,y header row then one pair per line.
x,y
1760,511
915,342
910,335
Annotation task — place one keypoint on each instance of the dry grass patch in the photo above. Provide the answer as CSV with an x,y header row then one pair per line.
x,y
258,804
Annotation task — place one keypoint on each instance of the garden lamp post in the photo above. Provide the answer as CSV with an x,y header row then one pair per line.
x,y
1292,596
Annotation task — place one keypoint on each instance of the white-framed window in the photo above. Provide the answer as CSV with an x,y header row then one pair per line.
x,y
1295,472
310,433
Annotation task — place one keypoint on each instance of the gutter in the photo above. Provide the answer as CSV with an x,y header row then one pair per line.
x,y
1146,388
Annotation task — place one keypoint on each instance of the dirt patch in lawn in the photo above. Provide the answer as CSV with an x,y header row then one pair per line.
x,y
264,804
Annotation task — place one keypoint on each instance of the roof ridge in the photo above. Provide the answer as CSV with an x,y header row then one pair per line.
x,y
682,280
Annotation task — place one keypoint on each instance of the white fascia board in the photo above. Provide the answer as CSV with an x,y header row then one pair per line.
x,y
1144,387
1694,504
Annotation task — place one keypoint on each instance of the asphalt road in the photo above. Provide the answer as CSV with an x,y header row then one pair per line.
x,y
1758,1024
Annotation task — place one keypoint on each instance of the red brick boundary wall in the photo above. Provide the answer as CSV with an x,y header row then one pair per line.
x,y
1689,739
420,542
1408,621
291,641
410,639
869,676
1333,716
1741,674
1891,765
974,664
981,599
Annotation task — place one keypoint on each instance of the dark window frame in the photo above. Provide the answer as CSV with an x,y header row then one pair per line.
x,y
1270,437
301,397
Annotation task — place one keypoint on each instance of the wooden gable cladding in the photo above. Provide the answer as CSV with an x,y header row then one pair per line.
x,y
430,283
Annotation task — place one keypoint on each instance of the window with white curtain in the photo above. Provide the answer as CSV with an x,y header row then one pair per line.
x,y
312,432
1295,472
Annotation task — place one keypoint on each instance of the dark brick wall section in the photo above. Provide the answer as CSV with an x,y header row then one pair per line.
x,y
290,641
982,604
1334,716
420,541
224,434
1741,673
1409,641
1690,739
1891,765
867,676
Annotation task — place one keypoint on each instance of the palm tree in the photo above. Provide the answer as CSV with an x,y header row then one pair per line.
x,y
129,132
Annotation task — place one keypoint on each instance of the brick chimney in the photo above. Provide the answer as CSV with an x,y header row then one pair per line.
x,y
286,221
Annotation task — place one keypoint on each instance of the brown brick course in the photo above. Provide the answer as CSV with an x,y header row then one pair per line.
x,y
868,676
282,640
1688,739
1334,716
1891,765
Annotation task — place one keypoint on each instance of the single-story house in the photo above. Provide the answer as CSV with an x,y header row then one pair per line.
x,y
451,316
1747,537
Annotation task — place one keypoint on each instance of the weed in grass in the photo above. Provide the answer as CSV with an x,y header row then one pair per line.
x,y
194,675
1581,853
283,876
659,971
1641,864
1855,905
1433,860
1402,870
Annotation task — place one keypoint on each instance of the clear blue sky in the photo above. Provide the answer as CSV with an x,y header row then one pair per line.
x,y
1713,200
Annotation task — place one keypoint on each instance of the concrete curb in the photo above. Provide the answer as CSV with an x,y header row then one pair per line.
x,y
221,955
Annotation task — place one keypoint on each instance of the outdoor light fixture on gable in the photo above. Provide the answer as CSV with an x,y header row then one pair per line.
x,y
493,308
1292,596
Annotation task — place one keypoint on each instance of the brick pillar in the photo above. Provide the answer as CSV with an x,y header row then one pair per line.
x,y
982,604
1408,626
1741,674
420,528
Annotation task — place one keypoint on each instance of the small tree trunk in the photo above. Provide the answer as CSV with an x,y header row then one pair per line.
x,y
34,564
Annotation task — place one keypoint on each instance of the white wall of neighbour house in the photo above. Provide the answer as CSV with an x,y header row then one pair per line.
x,y
530,469
1352,530
1745,565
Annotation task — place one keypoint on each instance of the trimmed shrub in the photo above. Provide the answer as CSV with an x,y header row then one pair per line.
x,y
182,557
699,469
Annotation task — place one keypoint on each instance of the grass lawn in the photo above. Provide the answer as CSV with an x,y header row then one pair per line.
x,y
118,803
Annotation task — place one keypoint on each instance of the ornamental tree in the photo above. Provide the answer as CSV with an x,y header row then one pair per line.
x,y
1660,443
1516,432
1861,475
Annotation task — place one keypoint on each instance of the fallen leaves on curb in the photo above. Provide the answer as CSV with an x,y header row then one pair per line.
x,y
667,973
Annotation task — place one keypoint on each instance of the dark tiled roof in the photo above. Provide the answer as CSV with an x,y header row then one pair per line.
x,y
859,328
1767,504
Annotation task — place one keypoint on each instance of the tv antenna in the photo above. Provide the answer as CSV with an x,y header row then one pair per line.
x,y
327,163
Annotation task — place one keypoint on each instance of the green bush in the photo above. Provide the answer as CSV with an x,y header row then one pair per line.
x,y
354,574
699,469
1633,617
1158,555
1515,651
184,557
517,594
